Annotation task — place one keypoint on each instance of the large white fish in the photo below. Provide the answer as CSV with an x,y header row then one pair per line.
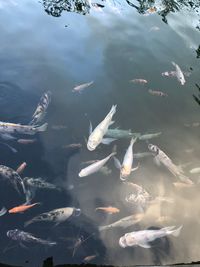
x,y
142,238
161,157
126,166
124,222
95,167
179,73
96,136
12,128
41,109
57,216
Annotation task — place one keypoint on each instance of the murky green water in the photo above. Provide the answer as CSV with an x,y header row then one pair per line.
x,y
45,47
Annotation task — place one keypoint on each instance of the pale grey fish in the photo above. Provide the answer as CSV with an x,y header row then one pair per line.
x,y
41,109
179,73
195,170
56,216
118,133
142,155
124,222
149,136
39,183
80,87
96,135
173,73
13,177
6,127
21,236
142,238
126,166
161,157
95,167
157,93
3,211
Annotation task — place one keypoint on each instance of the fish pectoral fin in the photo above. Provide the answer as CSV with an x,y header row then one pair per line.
x,y
112,122
117,163
90,128
107,141
144,244
134,169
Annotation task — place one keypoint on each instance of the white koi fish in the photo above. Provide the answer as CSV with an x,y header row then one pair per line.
x,y
6,127
142,238
179,73
96,136
57,216
126,166
161,157
95,167
195,170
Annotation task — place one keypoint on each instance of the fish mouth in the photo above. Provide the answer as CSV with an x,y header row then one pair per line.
x,y
77,212
90,148
122,242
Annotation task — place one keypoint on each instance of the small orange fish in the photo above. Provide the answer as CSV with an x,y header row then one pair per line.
x,y
109,209
89,258
152,10
22,208
21,168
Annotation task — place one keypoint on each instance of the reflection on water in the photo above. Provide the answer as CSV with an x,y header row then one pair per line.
x,y
127,51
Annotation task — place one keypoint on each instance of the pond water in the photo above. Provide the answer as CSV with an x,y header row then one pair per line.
x,y
56,45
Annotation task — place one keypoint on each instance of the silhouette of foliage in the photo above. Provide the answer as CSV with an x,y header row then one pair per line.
x,y
56,7
197,98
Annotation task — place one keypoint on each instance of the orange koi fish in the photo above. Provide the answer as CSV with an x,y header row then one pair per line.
x,y
22,208
109,209
21,168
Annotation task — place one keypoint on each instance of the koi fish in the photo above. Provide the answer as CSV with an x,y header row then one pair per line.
x,y
39,183
142,238
95,167
26,141
157,93
21,168
149,136
21,236
22,208
126,166
13,177
195,170
3,211
118,133
41,109
80,87
89,258
7,127
109,210
161,157
173,73
96,136
124,222
142,81
179,73
57,216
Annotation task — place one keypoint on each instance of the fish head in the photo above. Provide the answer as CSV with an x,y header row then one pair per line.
x,y
13,234
124,173
130,240
122,242
153,148
92,144
182,79
82,173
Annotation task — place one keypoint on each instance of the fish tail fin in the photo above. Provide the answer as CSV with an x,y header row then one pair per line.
x,y
42,128
3,211
177,231
168,229
113,154
185,179
133,140
113,110
28,223
173,63
101,228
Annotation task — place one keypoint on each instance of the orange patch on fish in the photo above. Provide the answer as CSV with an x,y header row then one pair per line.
x,y
110,210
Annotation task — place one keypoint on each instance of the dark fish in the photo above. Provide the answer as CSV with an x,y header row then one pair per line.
x,y
21,236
